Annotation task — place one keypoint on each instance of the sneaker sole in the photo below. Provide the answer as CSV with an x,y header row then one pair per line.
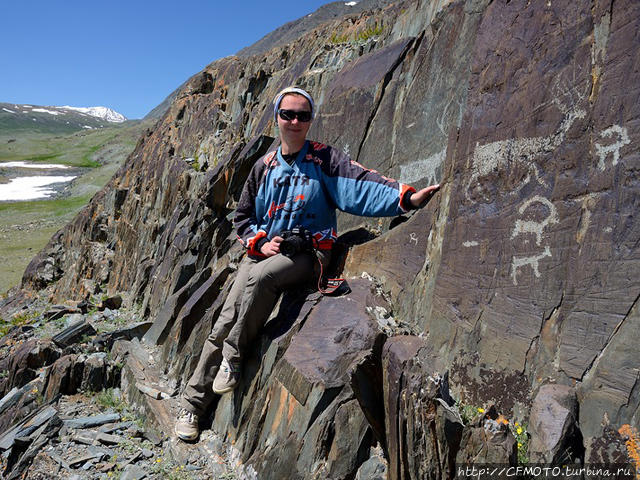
x,y
182,436
222,391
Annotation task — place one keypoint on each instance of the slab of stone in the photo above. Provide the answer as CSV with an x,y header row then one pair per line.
x,y
82,459
58,311
336,334
112,427
73,333
488,441
85,437
112,303
133,472
136,330
107,439
28,426
92,421
552,421
10,399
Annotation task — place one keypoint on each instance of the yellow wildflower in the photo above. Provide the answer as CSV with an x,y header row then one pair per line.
x,y
519,430
481,410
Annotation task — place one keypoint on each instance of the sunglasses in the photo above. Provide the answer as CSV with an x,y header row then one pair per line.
x,y
289,115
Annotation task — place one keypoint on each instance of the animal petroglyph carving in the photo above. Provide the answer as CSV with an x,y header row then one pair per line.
x,y
532,226
614,148
523,227
495,156
533,261
423,168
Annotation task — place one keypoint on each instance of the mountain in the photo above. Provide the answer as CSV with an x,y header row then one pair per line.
x,y
46,119
287,33
291,31
497,325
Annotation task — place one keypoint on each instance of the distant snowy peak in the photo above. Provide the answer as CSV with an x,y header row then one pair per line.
x,y
99,112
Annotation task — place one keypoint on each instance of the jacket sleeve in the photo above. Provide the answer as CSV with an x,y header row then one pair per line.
x,y
245,220
361,191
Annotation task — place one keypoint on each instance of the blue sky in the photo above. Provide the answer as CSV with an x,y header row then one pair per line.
x,y
125,55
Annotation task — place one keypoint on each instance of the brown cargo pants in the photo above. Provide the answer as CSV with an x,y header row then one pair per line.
x,y
251,299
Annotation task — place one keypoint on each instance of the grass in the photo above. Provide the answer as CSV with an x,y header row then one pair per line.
x,y
163,468
26,227
17,321
359,36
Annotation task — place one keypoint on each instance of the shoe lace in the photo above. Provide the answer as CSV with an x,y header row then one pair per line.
x,y
186,415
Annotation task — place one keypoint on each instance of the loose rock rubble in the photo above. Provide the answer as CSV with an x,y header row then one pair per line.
x,y
62,414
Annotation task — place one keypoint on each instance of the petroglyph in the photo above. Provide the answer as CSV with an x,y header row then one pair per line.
x,y
470,244
524,227
413,238
495,156
533,261
424,168
614,148
532,226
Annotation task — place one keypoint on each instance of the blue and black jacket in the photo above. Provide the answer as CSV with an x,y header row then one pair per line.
x,y
278,196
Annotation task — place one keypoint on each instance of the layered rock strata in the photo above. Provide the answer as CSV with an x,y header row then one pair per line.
x,y
520,274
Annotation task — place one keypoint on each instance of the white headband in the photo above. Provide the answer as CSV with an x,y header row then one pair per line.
x,y
299,91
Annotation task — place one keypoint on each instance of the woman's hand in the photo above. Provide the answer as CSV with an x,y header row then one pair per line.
x,y
421,197
272,247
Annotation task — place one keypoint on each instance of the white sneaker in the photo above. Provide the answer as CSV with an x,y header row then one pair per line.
x,y
186,427
226,379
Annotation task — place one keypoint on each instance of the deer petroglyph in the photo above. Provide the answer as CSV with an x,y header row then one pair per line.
x,y
495,156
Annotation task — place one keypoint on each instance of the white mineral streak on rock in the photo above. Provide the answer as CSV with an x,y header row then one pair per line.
x,y
424,168
30,188
614,148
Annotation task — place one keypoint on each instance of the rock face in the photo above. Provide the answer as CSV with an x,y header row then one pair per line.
x,y
520,273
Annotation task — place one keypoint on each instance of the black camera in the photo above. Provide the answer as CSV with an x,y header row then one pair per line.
x,y
296,240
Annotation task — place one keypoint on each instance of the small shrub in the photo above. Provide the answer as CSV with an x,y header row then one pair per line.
x,y
369,32
17,321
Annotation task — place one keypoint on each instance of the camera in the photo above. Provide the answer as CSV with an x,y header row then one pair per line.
x,y
296,240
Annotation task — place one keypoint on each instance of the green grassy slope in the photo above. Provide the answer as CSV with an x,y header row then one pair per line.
x,y
25,227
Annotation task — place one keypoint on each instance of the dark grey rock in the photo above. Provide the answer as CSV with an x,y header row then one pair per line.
x,y
133,472
375,468
93,421
111,303
73,333
552,424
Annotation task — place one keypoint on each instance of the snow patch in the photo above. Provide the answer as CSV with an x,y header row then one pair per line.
x,y
7,110
99,112
30,188
31,165
87,127
351,4
44,110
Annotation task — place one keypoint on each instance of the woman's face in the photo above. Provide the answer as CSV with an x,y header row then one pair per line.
x,y
294,131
